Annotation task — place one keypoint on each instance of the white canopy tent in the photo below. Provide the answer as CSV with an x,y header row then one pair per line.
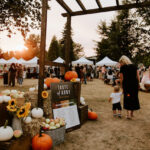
x,y
3,61
59,60
107,62
82,61
21,61
12,60
32,62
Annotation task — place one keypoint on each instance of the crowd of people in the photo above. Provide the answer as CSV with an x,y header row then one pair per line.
x,y
126,76
11,73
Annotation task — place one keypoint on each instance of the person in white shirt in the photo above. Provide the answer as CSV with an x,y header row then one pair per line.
x,y
115,99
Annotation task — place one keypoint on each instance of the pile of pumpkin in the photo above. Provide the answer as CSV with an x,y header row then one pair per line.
x,y
69,76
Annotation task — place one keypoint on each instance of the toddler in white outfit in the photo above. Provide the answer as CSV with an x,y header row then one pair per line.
x,y
115,97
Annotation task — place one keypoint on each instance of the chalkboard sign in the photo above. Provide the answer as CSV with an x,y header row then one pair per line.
x,y
64,103
62,91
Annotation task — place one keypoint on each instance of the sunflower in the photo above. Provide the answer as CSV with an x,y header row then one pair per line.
x,y
28,105
44,94
12,103
11,108
22,112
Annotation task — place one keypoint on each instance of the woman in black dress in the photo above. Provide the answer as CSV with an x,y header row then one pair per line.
x,y
129,78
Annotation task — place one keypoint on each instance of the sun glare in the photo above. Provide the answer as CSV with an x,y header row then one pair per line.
x,y
15,43
20,48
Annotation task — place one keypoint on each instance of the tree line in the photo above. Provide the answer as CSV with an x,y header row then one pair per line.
x,y
128,34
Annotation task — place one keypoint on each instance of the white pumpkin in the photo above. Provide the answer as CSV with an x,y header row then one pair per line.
x,y
27,120
6,133
37,112
1,99
6,98
6,92
14,92
32,89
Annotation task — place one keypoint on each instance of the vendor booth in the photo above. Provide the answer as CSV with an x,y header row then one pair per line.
x,y
82,61
107,62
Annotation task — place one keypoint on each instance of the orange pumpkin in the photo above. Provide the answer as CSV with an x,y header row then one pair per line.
x,y
48,81
92,115
41,142
70,75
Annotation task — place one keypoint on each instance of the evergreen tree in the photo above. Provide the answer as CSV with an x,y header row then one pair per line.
x,y
54,49
63,44
76,49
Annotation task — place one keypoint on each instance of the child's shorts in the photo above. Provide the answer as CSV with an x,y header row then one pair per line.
x,y
116,106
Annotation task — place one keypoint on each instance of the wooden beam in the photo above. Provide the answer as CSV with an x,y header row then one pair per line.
x,y
42,52
117,2
68,42
99,4
64,5
50,63
107,9
81,5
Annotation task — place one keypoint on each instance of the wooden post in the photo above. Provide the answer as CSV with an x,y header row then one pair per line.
x,y
68,42
42,52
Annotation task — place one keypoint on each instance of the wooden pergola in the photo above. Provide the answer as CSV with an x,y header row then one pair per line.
x,y
70,13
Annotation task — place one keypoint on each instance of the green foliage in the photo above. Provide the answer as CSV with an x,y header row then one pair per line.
x,y
54,49
124,36
19,14
76,49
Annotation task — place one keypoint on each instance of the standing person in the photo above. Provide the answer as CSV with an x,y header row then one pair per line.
x,y
84,74
103,70
5,75
115,97
77,69
81,74
12,72
129,78
20,74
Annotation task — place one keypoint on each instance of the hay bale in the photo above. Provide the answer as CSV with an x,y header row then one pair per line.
x,y
33,128
47,108
32,97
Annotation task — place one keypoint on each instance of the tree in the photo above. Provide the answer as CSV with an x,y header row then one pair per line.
x,y
17,14
63,44
33,45
54,49
78,50
119,38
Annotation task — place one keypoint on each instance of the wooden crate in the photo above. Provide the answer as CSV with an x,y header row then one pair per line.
x,y
83,113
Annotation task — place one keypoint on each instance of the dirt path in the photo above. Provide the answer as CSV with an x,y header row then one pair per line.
x,y
107,133
110,133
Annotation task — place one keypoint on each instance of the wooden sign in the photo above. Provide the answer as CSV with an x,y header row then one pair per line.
x,y
64,103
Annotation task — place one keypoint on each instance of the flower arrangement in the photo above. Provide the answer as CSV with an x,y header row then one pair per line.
x,y
20,112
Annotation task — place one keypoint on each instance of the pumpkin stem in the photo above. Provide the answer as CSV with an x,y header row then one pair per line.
x,y
90,109
40,134
6,122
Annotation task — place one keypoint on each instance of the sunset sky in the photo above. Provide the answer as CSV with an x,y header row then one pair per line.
x,y
84,27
